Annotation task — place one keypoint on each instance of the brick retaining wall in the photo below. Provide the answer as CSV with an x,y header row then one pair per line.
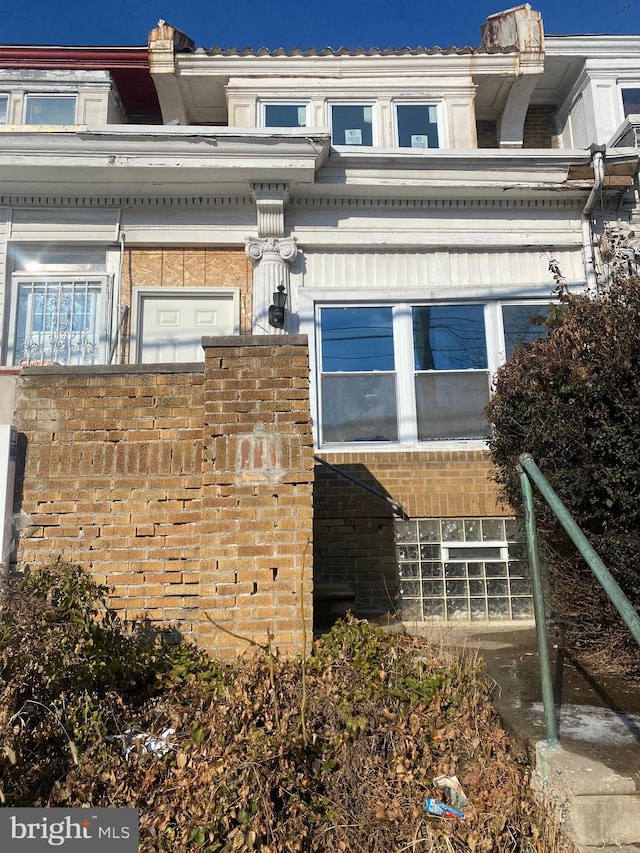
x,y
187,489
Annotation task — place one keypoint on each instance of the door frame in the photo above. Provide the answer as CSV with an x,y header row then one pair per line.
x,y
139,294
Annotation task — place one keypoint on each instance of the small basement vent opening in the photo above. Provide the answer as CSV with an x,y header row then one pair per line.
x,y
463,569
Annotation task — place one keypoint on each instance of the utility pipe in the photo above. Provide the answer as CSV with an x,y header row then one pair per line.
x,y
597,161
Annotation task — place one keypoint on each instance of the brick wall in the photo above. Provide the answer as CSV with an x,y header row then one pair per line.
x,y
538,131
353,529
188,491
539,127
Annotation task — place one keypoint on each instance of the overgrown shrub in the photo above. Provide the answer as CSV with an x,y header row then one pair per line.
x,y
572,400
384,716
70,675
336,752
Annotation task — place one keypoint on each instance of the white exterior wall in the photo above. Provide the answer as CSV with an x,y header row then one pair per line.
x,y
454,97
5,214
432,273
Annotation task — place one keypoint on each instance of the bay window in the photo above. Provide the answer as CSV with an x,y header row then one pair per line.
x,y
407,374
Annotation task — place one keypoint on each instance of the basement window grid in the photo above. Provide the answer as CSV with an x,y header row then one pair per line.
x,y
464,569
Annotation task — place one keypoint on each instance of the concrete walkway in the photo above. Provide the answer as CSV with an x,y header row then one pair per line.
x,y
592,778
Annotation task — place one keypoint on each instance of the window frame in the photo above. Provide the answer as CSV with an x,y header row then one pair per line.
x,y
622,86
50,96
4,96
402,305
19,279
282,102
428,102
351,102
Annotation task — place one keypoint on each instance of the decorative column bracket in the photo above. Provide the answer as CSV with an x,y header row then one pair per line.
x,y
270,201
271,258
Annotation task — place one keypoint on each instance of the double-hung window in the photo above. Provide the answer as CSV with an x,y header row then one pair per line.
x,y
451,371
50,109
4,108
290,114
417,126
411,373
352,124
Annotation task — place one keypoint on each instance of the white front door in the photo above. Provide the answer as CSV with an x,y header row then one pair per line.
x,y
170,326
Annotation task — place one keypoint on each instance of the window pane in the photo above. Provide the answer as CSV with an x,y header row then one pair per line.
x,y
417,126
449,337
4,101
631,101
352,124
356,339
522,325
50,110
474,552
285,115
451,405
359,408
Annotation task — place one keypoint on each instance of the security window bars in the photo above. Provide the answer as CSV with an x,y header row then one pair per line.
x,y
463,569
59,321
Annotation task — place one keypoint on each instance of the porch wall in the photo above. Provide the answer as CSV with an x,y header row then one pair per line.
x,y
187,489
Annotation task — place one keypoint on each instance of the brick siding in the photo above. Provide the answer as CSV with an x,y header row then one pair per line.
x,y
354,530
189,491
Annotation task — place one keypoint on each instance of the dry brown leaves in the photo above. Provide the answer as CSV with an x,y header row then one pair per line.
x,y
385,715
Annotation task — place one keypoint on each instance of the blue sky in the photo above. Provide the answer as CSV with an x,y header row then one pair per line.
x,y
297,23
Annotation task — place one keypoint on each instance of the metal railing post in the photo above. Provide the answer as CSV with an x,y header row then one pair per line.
x,y
546,682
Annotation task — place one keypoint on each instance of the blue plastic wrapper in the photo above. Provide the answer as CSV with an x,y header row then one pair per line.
x,y
440,809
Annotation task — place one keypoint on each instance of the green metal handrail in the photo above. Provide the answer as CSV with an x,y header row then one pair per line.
x,y
529,472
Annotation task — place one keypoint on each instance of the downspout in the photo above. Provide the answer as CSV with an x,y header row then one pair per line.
x,y
597,160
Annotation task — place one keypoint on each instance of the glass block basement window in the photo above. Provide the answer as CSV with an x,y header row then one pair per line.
x,y
463,569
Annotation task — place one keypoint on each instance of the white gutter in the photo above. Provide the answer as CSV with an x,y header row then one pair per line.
x,y
587,237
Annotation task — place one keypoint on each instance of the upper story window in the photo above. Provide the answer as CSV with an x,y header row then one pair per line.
x,y
631,101
4,108
407,373
352,124
417,125
285,115
50,109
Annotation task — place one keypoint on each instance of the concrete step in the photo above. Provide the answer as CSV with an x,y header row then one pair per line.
x,y
624,848
597,806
